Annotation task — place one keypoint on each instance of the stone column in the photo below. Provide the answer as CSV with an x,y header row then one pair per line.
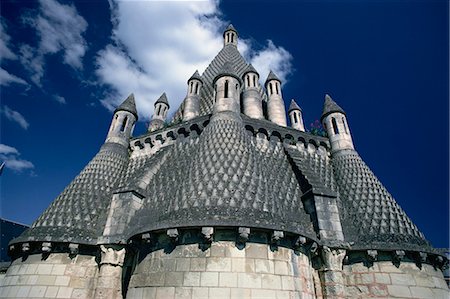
x,y
333,284
109,283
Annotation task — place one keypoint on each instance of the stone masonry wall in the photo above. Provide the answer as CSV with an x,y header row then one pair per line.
x,y
224,271
384,280
58,276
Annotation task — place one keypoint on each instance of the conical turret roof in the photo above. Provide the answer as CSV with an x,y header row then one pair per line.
x,y
128,105
271,77
293,106
330,106
196,76
230,28
227,69
163,99
250,69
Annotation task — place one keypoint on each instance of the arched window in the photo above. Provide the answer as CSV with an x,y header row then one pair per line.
x,y
271,88
226,89
159,110
190,87
248,80
335,128
254,80
276,86
196,88
295,117
237,86
345,127
232,37
124,124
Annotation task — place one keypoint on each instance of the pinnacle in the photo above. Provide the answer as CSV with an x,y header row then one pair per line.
x,y
250,69
163,99
293,106
128,105
330,106
196,76
271,77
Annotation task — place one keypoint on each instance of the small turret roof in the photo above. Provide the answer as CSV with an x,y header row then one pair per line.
x,y
250,69
227,69
163,99
196,76
330,106
271,77
230,28
294,106
128,105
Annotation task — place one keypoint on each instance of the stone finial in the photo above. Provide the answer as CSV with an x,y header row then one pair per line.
x,y
128,105
163,99
25,247
372,255
112,256
196,76
277,236
293,106
73,248
207,233
330,106
244,233
46,247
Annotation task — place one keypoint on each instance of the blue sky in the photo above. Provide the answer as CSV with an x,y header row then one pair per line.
x,y
66,64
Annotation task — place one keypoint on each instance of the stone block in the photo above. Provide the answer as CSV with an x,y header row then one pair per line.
x,y
58,269
367,278
402,279
249,280
440,294
264,266
198,264
421,292
183,264
382,278
165,293
200,293
263,294
388,267
284,295
23,279
64,292
37,291
233,251
228,279
238,265
439,283
32,268
209,279
32,279
282,254
378,290
51,292
281,268
155,279
219,264
240,293
183,293
218,249
219,293
287,283
399,291
22,291
270,281
168,265
46,280
173,279
80,293
148,293
62,281
250,265
256,251
191,279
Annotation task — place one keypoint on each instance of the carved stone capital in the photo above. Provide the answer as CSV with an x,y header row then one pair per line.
x,y
244,233
112,256
207,233
372,255
333,258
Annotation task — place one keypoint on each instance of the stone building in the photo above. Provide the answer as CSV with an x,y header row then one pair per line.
x,y
225,201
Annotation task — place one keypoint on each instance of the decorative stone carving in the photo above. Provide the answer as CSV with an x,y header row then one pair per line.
x,y
372,255
313,248
73,248
244,233
46,247
25,247
277,236
173,234
207,233
146,238
423,256
399,255
333,258
300,241
112,256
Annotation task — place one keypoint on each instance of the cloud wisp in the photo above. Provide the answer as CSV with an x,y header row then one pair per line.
x,y
10,156
15,116
179,38
60,30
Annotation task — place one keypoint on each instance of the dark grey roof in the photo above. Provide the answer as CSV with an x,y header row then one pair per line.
x,y
293,106
271,77
250,69
370,215
163,99
227,69
330,106
79,213
230,28
196,76
128,105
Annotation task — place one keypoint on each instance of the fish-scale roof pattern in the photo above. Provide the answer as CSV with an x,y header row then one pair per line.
x,y
372,217
79,213
224,178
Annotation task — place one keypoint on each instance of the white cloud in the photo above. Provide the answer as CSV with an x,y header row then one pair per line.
x,y
15,117
5,52
159,44
60,29
59,99
7,78
10,156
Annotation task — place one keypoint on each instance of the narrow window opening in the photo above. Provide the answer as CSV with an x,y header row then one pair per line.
x,y
237,86
190,87
159,110
254,80
295,118
335,128
345,127
124,124
271,88
248,80
196,88
276,86
232,37
226,89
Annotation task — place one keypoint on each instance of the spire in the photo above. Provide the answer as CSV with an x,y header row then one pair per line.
x,y
250,69
163,99
293,106
230,28
128,105
230,36
330,106
196,76
271,77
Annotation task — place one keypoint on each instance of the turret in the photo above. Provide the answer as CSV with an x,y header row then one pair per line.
x,y
230,36
122,124
160,113
334,121
227,85
251,97
295,115
275,104
192,101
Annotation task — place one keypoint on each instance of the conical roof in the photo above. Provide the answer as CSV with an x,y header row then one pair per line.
x,y
230,28
227,69
330,106
163,99
250,69
271,77
128,105
196,76
294,106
